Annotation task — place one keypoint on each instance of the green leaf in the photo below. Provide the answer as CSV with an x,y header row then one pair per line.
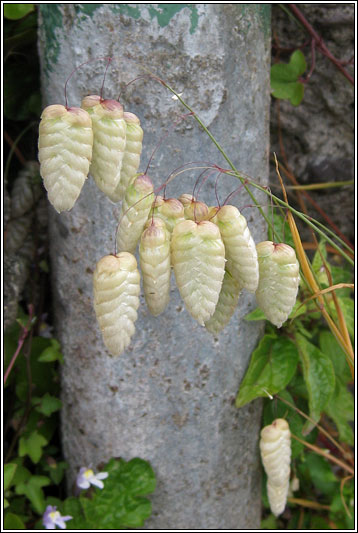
x,y
256,314
56,470
32,446
51,353
330,347
12,521
319,377
32,489
321,474
120,504
47,404
282,231
284,78
17,11
341,409
9,472
269,523
271,368
347,307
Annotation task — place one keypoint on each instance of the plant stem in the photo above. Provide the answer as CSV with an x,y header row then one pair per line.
x,y
317,186
218,146
20,343
308,503
325,454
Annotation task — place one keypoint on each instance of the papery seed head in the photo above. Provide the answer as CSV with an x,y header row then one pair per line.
x,y
196,211
155,232
186,199
143,184
131,118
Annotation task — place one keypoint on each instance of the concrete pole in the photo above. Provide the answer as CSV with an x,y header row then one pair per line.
x,y
170,397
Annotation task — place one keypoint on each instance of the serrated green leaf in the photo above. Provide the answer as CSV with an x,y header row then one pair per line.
x,y
120,504
341,409
9,472
271,368
330,347
32,446
47,404
17,11
319,377
12,521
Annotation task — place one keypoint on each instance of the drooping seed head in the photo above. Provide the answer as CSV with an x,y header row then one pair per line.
x,y
186,199
116,287
279,280
196,211
198,258
109,140
275,448
136,206
154,256
65,152
240,250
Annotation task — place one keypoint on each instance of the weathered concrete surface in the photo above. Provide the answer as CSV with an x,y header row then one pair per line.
x,y
318,135
170,397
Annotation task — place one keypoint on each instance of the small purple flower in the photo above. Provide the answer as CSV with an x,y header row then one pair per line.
x,y
86,477
53,518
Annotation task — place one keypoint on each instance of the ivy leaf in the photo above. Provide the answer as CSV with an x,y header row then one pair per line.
x,y
47,404
32,489
120,504
341,409
284,78
318,373
32,446
271,368
51,353
12,521
17,11
9,471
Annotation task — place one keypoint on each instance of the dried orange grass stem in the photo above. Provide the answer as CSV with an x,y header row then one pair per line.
x,y
341,336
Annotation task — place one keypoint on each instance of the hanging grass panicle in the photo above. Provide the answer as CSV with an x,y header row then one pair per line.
x,y
132,153
198,258
154,260
136,206
279,280
240,247
109,141
116,287
186,199
275,447
65,152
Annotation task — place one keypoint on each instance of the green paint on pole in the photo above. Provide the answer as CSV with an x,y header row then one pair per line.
x,y
126,9
264,11
51,20
165,12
